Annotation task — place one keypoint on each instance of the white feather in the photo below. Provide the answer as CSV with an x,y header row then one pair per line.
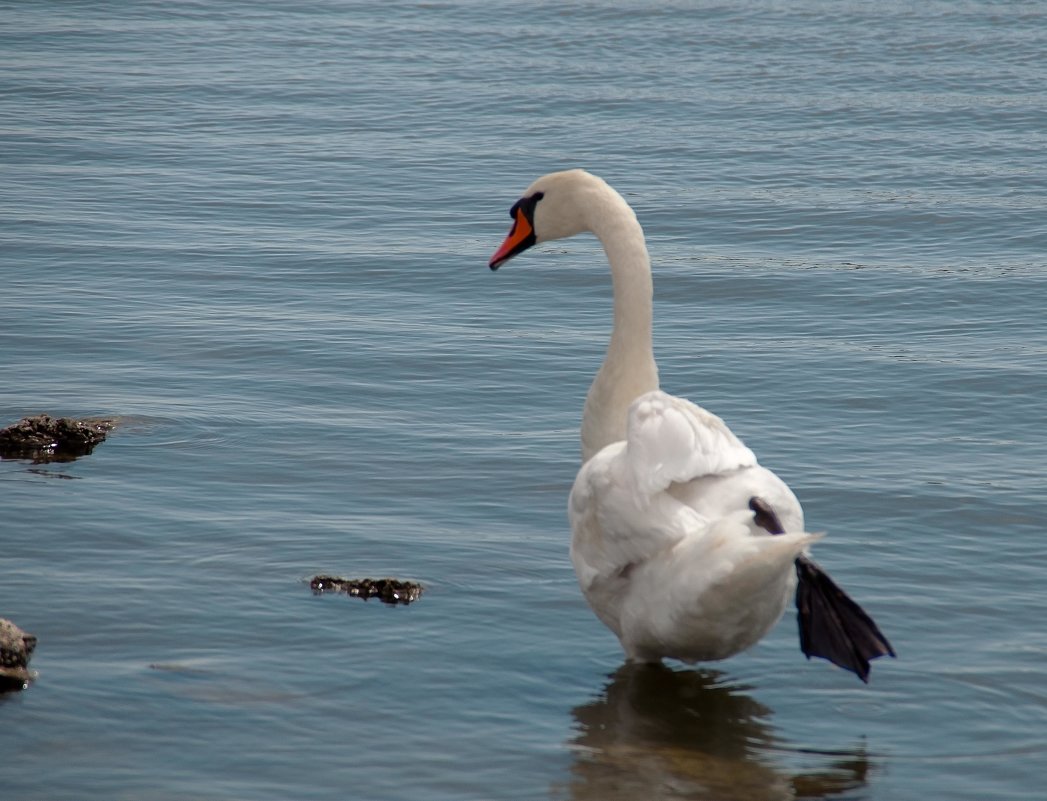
x,y
672,440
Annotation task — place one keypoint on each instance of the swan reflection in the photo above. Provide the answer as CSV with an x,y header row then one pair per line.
x,y
659,733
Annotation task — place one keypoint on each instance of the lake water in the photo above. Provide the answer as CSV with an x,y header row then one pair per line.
x,y
257,234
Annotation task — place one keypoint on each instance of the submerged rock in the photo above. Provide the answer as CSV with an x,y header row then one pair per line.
x,y
43,438
16,646
386,590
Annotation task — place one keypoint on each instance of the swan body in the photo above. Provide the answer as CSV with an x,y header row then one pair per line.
x,y
665,547
684,546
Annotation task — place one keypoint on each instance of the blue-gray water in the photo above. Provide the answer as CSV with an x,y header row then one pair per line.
x,y
257,234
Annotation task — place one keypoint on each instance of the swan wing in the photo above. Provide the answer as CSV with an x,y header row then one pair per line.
x,y
614,528
671,440
620,512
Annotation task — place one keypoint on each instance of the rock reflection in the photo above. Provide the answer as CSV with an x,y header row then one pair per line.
x,y
658,733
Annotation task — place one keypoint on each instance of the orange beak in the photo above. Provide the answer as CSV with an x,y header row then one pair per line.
x,y
521,237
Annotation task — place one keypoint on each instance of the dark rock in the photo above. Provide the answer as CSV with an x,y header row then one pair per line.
x,y
47,439
15,649
386,590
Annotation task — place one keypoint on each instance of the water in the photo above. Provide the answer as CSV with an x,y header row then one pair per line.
x,y
257,234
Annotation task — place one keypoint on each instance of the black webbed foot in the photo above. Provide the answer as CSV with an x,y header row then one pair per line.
x,y
832,625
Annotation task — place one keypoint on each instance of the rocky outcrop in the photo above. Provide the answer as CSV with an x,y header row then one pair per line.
x,y
386,590
16,646
43,438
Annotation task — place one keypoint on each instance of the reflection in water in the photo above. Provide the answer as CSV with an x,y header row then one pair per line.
x,y
658,733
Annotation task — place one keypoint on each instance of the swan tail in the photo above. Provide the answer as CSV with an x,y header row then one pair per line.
x,y
832,625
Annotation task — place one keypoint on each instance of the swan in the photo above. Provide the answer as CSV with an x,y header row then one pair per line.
x,y
683,544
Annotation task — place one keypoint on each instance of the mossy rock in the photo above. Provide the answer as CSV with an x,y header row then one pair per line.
x,y
386,590
16,647
43,438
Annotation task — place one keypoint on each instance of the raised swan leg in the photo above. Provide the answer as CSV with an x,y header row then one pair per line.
x,y
831,624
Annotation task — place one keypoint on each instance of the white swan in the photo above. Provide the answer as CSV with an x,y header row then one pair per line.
x,y
683,545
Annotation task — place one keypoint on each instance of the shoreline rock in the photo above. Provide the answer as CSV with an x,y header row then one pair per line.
x,y
16,648
43,438
387,590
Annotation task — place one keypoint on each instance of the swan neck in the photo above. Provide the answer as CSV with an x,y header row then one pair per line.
x,y
629,368
633,291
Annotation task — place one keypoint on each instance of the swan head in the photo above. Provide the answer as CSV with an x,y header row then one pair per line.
x,y
556,206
